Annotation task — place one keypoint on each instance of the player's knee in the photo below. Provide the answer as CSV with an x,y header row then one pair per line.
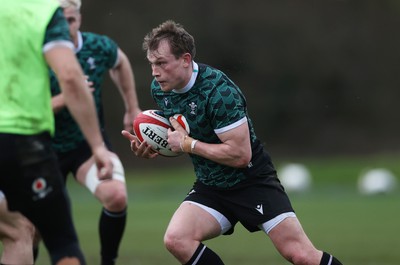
x,y
115,198
20,234
29,229
173,242
24,230
118,202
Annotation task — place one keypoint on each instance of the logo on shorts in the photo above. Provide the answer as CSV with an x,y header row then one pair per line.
x,y
40,188
39,185
259,208
191,192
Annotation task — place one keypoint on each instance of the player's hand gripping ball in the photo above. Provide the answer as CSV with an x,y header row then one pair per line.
x,y
151,126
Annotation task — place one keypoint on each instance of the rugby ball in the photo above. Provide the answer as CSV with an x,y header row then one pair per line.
x,y
182,121
377,181
152,126
295,177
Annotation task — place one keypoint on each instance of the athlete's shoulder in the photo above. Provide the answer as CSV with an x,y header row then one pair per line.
x,y
211,74
91,37
206,70
211,79
99,46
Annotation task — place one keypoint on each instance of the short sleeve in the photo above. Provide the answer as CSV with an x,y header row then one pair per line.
x,y
226,107
110,49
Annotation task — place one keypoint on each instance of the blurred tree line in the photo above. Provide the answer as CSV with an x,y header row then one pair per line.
x,y
320,77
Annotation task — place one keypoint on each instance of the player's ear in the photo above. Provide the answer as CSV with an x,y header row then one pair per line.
x,y
187,59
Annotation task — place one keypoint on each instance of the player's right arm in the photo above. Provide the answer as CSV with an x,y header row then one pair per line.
x,y
61,58
58,102
123,77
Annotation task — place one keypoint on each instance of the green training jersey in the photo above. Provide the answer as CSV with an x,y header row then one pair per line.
x,y
214,104
27,29
97,54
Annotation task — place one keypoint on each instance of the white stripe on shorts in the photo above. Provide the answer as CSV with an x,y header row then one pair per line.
x,y
267,226
221,219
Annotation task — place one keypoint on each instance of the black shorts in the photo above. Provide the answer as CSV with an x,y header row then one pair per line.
x,y
252,202
71,161
29,169
32,183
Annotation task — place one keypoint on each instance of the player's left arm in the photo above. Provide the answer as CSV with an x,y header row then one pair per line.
x,y
234,149
123,77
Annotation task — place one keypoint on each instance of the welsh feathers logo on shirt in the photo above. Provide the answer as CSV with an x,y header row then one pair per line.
x,y
91,62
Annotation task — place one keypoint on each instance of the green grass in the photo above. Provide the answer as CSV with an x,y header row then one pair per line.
x,y
359,230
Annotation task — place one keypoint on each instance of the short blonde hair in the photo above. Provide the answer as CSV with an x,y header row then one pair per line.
x,y
70,3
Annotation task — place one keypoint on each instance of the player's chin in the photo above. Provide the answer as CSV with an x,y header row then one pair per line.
x,y
165,87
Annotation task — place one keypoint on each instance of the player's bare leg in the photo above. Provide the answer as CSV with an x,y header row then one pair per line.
x,y
112,194
189,226
16,233
293,244
291,241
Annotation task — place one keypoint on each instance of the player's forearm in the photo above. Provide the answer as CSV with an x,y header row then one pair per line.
x,y
234,149
80,103
128,93
124,79
221,153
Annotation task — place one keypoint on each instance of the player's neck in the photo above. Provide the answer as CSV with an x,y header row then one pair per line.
x,y
190,80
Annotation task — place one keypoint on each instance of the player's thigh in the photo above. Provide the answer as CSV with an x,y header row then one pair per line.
x,y
289,238
111,193
6,220
193,223
13,225
84,168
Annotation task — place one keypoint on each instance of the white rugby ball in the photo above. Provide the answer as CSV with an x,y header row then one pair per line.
x,y
377,181
295,177
152,126
182,121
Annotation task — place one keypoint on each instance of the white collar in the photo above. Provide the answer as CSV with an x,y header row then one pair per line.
x,y
191,81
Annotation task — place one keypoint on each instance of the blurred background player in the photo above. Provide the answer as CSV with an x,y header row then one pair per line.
x,y
236,180
97,55
30,178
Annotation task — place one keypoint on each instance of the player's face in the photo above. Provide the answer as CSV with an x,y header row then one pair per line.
x,y
73,17
169,71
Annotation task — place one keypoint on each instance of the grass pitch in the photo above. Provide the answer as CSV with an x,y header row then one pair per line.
x,y
359,230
